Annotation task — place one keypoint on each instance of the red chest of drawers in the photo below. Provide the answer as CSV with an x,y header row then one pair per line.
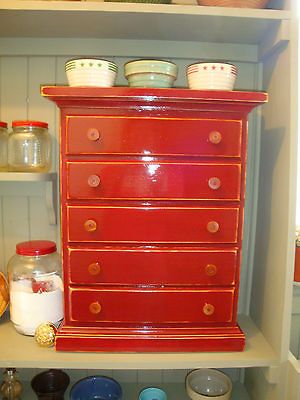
x,y
152,204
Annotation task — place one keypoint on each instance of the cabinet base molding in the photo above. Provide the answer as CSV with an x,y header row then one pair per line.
x,y
135,339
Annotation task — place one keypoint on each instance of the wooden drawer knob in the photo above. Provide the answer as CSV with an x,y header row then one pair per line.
x,y
90,225
211,270
208,309
93,134
95,307
215,137
214,183
94,268
93,181
213,227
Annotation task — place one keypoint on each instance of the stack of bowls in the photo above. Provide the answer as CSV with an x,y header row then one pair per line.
x,y
211,76
150,73
91,72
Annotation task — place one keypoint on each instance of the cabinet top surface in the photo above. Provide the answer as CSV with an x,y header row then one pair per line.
x,y
66,96
153,94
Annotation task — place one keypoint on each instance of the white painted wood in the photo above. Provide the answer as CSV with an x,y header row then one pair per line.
x,y
293,386
23,352
274,254
13,88
27,176
15,223
147,21
127,48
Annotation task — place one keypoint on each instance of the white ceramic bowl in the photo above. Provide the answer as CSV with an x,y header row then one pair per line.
x,y
208,384
91,72
150,73
211,76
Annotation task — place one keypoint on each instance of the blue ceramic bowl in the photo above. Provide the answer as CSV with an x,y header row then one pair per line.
x,y
96,387
152,393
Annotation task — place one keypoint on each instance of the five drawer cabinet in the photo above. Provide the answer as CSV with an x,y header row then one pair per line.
x,y
152,206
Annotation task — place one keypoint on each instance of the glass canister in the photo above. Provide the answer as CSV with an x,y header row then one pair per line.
x,y
3,146
29,147
35,285
11,387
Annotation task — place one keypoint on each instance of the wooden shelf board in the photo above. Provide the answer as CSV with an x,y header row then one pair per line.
x,y
26,177
23,352
137,20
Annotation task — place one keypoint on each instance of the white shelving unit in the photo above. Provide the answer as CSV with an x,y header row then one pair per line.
x,y
37,37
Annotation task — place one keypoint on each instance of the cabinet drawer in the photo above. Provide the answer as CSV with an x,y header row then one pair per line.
x,y
153,136
152,306
153,224
160,266
142,180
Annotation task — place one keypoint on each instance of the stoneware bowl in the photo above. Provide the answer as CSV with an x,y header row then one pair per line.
x,y
235,3
91,72
50,384
211,76
208,384
152,393
96,387
150,73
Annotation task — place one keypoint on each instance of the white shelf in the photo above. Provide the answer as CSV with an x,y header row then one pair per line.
x,y
27,176
134,20
175,391
23,352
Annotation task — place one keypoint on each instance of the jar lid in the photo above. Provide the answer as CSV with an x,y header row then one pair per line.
x,y
40,124
35,248
3,124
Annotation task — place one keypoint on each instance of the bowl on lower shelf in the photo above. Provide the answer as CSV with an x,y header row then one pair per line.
x,y
150,73
91,72
235,3
208,384
96,387
211,76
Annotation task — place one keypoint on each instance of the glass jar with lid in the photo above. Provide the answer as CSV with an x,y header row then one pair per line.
x,y
35,285
29,147
3,146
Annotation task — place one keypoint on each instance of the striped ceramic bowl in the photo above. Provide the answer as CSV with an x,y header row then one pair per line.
x,y
235,3
211,76
150,73
91,72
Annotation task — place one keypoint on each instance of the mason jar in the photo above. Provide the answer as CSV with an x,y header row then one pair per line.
x,y
35,286
3,146
29,147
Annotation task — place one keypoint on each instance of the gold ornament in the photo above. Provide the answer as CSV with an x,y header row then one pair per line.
x,y
45,334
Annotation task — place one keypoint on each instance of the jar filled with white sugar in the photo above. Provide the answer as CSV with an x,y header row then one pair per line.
x,y
35,285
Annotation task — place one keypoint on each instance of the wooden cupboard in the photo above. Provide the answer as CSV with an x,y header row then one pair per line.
x,y
148,199
37,37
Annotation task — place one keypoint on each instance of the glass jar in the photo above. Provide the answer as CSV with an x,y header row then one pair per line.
x,y
29,147
11,387
35,285
3,146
